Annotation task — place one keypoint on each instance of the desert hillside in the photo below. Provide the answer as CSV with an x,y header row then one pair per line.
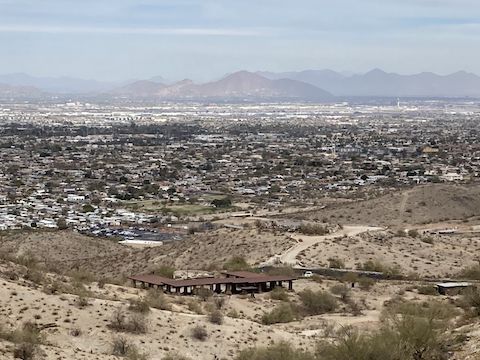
x,y
420,205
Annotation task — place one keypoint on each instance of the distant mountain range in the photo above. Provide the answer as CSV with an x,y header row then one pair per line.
x,y
380,83
13,92
57,85
313,85
242,85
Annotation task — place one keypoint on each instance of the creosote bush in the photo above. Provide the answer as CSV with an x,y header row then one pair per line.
x,y
27,339
365,283
471,272
157,300
199,333
378,266
139,305
279,293
408,331
123,348
133,323
165,271
336,263
283,313
216,317
342,290
281,351
313,229
236,263
316,303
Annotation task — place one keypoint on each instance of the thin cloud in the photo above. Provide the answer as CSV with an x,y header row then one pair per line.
x,y
130,31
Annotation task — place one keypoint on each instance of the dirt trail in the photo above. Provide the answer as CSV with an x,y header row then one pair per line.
x,y
304,242
403,203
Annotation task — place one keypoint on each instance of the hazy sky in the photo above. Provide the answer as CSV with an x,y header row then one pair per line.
x,y
200,39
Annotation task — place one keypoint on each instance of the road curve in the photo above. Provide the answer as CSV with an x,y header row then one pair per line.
x,y
304,242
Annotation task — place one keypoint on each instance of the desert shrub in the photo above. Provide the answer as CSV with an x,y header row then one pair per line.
x,y
165,271
75,332
236,263
279,293
373,265
283,313
281,351
27,259
471,272
336,263
82,276
216,317
137,324
77,288
412,233
122,347
470,301
400,233
195,307
34,276
350,277
101,283
118,320
134,323
282,270
219,302
316,303
313,229
157,300
399,338
427,290
81,302
29,332
427,240
199,333
378,266
27,339
342,291
434,311
365,283
203,293
233,314
25,351
139,305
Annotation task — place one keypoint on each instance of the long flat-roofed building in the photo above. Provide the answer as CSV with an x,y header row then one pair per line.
x,y
234,282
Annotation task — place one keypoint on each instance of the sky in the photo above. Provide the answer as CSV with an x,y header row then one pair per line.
x,y
205,39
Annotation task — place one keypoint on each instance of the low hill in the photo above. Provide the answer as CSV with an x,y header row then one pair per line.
x,y
64,251
420,205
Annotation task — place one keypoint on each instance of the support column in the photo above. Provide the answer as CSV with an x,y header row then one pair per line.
x,y
290,285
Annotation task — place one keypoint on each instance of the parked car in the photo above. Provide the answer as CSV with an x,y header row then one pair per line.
x,y
307,274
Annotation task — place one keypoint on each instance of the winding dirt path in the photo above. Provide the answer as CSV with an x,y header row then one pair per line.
x,y
304,242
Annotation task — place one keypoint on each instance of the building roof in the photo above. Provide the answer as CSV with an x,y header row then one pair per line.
x,y
159,280
242,274
454,284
